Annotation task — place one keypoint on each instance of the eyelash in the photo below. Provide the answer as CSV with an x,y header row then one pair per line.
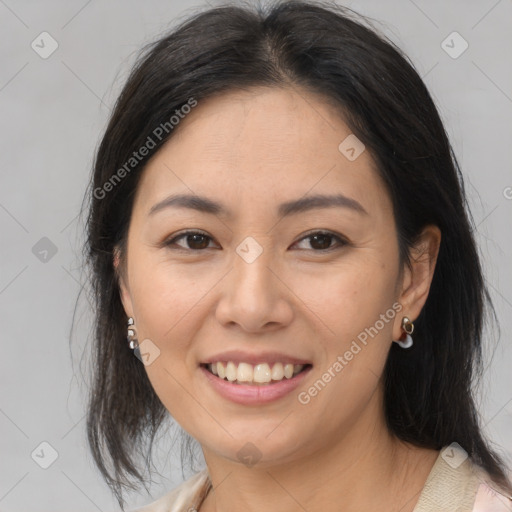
x,y
341,241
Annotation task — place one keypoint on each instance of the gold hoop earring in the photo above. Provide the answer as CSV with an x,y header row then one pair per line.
x,y
408,328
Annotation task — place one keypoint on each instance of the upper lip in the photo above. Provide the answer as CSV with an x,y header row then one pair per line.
x,y
238,356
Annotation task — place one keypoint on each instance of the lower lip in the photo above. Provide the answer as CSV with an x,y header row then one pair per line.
x,y
254,394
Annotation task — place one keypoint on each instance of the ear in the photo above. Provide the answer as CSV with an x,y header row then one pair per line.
x,y
124,290
417,279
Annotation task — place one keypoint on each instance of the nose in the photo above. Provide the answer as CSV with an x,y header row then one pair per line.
x,y
254,296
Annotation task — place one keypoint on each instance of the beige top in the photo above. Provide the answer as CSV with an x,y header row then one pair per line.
x,y
453,484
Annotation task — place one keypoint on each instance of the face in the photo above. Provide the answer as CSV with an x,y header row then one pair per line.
x,y
249,280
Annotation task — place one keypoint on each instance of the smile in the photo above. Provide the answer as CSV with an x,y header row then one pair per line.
x,y
261,373
239,382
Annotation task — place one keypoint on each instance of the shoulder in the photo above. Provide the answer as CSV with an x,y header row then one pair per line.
x,y
490,498
182,498
455,482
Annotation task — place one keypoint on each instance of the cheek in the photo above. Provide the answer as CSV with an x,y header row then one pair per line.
x,y
167,306
349,298
165,296
355,343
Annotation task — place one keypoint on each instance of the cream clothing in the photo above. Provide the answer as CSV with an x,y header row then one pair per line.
x,y
454,484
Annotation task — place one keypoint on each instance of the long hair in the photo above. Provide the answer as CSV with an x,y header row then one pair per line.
x,y
326,49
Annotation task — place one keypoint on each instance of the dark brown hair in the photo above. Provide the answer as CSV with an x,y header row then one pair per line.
x,y
328,50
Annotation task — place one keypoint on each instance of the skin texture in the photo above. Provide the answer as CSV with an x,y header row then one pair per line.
x,y
252,150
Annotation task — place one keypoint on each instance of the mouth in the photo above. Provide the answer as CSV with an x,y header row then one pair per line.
x,y
262,374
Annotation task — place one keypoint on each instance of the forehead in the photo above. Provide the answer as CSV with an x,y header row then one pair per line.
x,y
242,146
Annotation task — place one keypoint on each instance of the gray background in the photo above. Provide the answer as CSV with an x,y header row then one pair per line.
x,y
53,112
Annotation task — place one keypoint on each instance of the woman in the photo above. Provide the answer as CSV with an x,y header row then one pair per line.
x,y
283,263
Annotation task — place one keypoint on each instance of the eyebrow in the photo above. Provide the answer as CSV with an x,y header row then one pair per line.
x,y
206,205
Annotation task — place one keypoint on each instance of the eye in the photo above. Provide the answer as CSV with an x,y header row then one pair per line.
x,y
196,241
321,241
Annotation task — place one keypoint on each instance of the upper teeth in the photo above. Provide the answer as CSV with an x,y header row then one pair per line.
x,y
246,372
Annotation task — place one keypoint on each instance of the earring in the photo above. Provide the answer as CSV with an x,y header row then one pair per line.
x,y
408,328
132,334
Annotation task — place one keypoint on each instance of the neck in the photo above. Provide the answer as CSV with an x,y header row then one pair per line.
x,y
365,468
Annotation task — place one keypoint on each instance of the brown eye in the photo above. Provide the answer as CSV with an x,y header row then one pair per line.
x,y
194,240
197,241
322,241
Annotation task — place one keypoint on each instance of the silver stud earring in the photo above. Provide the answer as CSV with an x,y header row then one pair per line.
x,y
408,328
133,343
